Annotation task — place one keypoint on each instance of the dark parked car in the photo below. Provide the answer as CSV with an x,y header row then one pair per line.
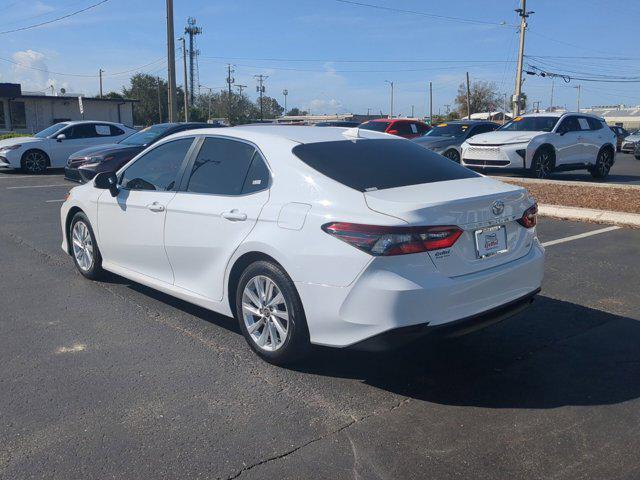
x,y
446,138
402,127
621,134
338,123
83,165
636,153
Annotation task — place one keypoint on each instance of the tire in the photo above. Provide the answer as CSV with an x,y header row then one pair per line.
x,y
34,162
542,164
603,165
84,248
279,338
452,155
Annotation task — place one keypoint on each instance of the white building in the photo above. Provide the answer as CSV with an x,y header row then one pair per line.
x,y
29,113
621,115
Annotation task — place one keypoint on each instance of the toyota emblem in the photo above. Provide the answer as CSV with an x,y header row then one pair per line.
x,y
497,207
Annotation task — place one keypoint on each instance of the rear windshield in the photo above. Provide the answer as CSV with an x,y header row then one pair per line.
x,y
376,126
376,164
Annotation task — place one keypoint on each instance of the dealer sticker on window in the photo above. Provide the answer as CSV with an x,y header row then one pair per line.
x,y
491,241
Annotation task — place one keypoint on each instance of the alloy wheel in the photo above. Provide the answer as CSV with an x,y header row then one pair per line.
x,y
543,165
265,313
82,246
452,155
35,162
604,163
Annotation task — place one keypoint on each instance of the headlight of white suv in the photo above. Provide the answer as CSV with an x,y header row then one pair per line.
x,y
10,147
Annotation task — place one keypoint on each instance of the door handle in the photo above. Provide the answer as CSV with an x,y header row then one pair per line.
x,y
235,215
156,207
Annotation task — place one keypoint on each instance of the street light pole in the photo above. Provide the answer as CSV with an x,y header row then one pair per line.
x,y
285,92
171,64
391,111
522,12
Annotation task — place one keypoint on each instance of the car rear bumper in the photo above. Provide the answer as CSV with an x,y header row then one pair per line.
x,y
415,295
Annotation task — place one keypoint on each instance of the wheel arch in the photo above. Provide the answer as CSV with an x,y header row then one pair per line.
x,y
545,146
609,146
239,265
67,225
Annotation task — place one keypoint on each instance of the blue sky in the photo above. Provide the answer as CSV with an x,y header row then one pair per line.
x,y
354,49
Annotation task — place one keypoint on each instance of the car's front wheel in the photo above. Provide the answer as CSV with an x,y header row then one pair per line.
x,y
452,155
542,164
270,314
84,247
34,162
603,164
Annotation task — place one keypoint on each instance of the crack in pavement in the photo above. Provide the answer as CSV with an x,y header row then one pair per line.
x,y
319,438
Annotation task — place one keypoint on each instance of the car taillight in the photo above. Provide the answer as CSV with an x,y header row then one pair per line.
x,y
385,241
529,218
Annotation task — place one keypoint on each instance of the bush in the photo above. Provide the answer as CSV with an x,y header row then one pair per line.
x,y
4,136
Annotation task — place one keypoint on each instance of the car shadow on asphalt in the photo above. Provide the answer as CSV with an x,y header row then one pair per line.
x,y
555,354
48,172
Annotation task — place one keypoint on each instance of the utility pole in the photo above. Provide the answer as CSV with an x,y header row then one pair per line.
x,y
468,98
391,111
578,87
159,101
551,106
240,88
412,111
504,110
260,89
368,112
186,89
230,81
431,103
285,92
522,12
100,72
171,65
192,31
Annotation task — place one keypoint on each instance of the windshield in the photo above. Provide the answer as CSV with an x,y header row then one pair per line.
x,y
375,126
450,130
530,124
47,132
146,135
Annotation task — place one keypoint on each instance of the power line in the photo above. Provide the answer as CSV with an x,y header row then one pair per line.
x,y
424,14
320,60
35,25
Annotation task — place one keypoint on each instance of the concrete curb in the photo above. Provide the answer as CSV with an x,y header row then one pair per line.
x,y
590,215
572,183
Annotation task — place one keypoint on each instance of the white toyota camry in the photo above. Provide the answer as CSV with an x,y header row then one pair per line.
x,y
331,236
52,146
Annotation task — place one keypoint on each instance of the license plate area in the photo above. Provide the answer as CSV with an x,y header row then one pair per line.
x,y
490,241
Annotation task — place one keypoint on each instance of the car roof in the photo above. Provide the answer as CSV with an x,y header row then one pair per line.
x,y
81,122
297,134
468,122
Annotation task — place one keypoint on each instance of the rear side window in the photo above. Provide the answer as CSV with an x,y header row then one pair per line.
x,y
376,164
115,131
221,167
594,124
257,177
403,128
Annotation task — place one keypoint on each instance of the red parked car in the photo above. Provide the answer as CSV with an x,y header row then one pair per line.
x,y
403,127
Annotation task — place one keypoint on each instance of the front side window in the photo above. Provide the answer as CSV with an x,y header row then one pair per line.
x,y
376,164
157,170
530,124
403,128
449,130
221,167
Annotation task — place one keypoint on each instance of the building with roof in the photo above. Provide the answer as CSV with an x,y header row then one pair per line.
x,y
25,112
621,115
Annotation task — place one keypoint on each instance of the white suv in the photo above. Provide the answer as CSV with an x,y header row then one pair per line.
x,y
545,142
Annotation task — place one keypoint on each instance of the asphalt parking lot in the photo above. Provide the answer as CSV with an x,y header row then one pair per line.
x,y
113,380
625,171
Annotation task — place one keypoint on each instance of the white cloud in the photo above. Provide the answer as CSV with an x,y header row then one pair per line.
x,y
319,106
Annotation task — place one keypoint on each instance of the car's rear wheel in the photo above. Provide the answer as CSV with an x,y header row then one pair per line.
x,y
603,165
84,248
34,162
452,155
270,314
542,164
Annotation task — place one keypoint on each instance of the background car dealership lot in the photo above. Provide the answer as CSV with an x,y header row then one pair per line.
x,y
113,379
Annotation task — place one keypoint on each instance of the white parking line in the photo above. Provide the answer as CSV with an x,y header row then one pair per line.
x,y
39,186
579,236
17,176
55,201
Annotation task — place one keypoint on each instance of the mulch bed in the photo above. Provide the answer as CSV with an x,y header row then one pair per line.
x,y
587,196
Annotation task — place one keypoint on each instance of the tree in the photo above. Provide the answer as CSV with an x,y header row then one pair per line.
x,y
147,89
270,107
484,97
114,95
296,112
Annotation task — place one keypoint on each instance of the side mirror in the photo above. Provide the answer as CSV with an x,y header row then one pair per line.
x,y
392,132
61,137
107,181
